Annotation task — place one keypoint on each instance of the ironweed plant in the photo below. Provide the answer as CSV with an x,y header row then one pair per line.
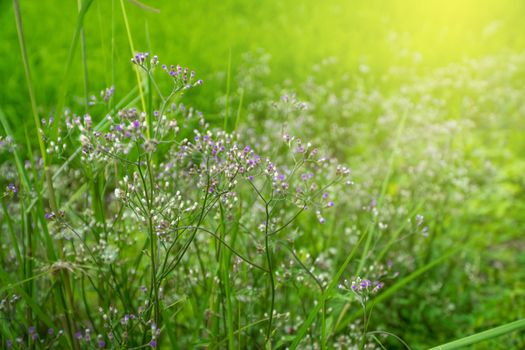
x,y
157,229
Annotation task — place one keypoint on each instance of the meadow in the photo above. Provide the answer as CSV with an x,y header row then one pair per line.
x,y
262,175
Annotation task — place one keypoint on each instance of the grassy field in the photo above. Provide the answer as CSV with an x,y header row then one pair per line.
x,y
334,175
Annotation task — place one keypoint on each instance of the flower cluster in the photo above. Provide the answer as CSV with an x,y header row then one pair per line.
x,y
183,78
163,193
44,340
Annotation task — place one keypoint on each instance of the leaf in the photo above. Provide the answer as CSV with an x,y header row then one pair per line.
x,y
482,336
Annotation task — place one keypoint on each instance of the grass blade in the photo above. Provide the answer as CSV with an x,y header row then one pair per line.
x,y
62,96
482,336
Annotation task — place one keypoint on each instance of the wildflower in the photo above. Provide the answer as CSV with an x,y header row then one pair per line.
x,y
154,61
88,122
11,189
419,220
31,330
107,93
101,342
320,217
364,287
140,58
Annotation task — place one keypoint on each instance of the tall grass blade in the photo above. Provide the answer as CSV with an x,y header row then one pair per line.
x,y
69,62
132,48
483,336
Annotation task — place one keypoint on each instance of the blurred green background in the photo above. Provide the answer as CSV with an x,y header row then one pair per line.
x,y
200,34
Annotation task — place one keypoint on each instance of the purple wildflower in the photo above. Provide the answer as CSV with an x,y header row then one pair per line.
x,y
12,188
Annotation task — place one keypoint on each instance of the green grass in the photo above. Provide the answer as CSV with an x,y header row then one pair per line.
x,y
422,100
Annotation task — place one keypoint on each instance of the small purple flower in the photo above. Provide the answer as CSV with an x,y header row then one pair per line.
x,y
12,188
124,320
307,176
88,121
106,94
51,332
9,344
377,286
101,343
153,343
78,335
